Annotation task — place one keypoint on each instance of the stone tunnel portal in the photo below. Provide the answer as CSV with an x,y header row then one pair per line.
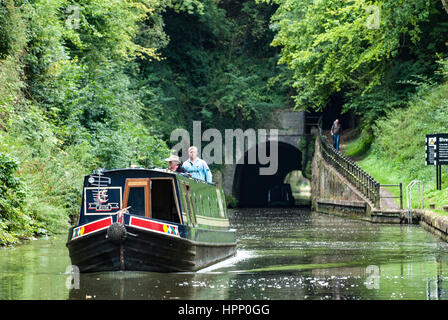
x,y
251,188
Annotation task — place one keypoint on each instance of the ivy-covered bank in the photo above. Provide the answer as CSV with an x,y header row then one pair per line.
x,y
89,84
396,151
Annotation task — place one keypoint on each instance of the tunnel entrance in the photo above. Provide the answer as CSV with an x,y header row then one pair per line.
x,y
252,189
300,187
332,111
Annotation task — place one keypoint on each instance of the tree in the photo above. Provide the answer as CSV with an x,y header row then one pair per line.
x,y
343,46
445,5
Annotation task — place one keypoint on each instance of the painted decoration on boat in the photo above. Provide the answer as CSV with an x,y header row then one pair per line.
x,y
91,227
102,200
156,226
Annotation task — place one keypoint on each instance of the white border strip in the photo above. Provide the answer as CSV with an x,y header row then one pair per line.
x,y
152,230
84,234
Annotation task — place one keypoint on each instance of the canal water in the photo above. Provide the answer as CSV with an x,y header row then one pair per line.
x,y
283,254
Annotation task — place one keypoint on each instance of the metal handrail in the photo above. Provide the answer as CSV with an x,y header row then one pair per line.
x,y
400,185
409,188
368,186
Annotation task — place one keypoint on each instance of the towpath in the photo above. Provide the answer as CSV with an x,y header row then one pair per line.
x,y
386,201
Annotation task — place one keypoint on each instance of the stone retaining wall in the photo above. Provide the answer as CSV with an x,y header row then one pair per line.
x,y
327,183
331,193
355,209
433,222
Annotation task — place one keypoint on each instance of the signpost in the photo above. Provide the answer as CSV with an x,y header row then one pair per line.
x,y
437,154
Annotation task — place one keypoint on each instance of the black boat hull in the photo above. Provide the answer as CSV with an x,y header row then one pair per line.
x,y
143,250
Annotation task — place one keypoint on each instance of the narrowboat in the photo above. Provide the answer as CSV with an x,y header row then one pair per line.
x,y
149,220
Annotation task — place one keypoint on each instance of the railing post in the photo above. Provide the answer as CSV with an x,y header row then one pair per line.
x,y
378,195
401,195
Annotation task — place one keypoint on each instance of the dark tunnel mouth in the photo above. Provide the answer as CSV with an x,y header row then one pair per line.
x,y
251,188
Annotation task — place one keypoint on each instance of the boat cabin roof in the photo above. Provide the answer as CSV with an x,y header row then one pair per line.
x,y
141,170
152,193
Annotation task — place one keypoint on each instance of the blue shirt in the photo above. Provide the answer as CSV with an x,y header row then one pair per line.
x,y
198,169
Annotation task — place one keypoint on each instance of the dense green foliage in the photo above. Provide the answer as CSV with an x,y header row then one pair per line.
x,y
88,84
219,68
406,130
12,197
372,52
306,147
397,153
388,60
68,104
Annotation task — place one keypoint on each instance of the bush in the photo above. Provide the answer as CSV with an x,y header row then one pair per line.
x,y
361,145
14,223
397,153
231,201
306,147
12,193
400,136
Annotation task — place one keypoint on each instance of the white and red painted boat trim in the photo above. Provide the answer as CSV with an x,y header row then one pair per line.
x,y
91,227
160,227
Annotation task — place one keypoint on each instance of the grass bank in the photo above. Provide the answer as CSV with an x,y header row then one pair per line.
x,y
392,150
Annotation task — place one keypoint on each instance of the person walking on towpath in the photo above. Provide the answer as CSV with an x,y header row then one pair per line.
x,y
197,167
336,130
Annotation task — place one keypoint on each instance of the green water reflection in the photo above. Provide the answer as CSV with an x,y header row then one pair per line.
x,y
282,254
35,270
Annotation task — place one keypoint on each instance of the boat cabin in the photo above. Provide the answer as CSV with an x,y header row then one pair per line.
x,y
157,194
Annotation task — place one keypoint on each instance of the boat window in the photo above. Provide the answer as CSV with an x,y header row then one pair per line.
x,y
192,204
183,200
201,200
218,207
136,201
189,200
163,202
220,202
195,205
136,195
214,206
210,206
